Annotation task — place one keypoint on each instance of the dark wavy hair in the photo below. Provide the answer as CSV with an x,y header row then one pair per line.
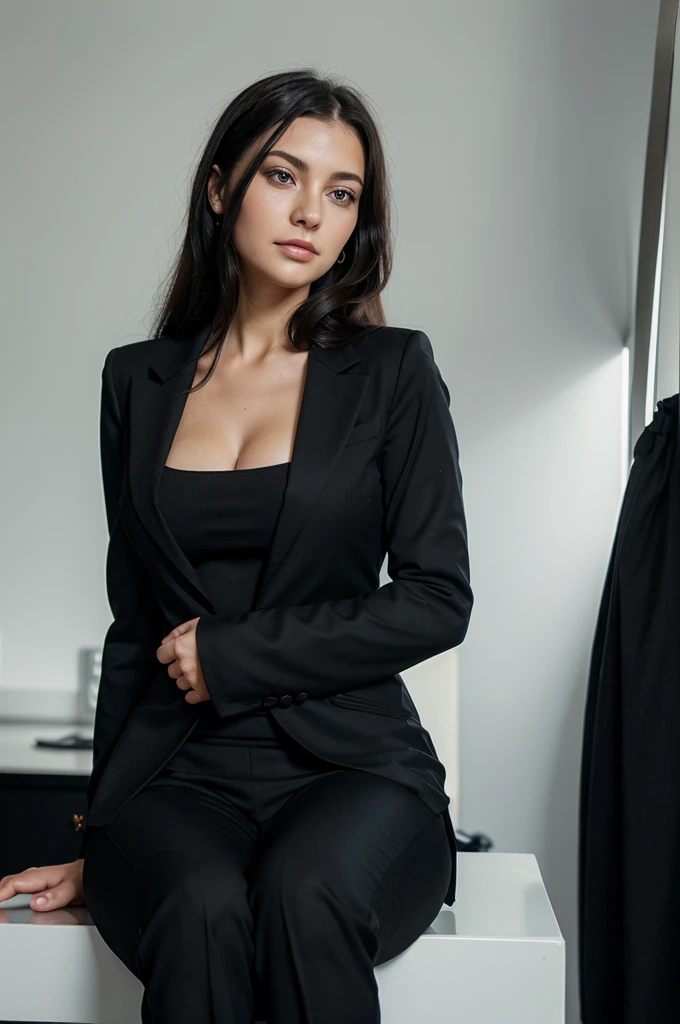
x,y
203,285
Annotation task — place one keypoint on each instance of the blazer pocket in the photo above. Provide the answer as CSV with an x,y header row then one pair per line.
x,y
364,431
351,700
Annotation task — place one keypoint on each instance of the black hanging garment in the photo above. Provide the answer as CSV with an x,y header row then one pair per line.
x,y
629,842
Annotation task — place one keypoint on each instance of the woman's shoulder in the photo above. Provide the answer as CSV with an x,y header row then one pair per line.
x,y
136,354
390,343
396,351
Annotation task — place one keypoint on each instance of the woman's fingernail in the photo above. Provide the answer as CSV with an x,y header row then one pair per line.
x,y
41,899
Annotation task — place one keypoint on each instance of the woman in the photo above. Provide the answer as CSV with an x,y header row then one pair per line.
x,y
267,819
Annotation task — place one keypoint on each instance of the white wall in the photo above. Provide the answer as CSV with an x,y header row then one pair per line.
x,y
516,133
668,342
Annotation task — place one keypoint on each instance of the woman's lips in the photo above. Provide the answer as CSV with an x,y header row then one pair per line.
x,y
297,252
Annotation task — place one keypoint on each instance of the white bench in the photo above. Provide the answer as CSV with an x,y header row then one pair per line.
x,y
497,955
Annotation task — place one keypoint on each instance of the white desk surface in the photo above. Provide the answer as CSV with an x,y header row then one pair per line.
x,y
18,755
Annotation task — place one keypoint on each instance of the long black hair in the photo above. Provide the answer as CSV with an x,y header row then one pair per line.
x,y
203,285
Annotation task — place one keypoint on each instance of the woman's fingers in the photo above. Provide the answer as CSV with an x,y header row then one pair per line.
x,y
57,896
184,627
31,880
53,886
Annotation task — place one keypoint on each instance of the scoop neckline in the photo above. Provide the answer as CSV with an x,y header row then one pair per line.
x,y
247,469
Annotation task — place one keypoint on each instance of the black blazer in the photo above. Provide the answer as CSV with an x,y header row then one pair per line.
x,y
374,470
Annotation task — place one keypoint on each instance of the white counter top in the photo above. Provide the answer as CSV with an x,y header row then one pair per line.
x,y
18,755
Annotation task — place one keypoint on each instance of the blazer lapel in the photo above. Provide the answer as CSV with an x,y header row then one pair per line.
x,y
155,408
330,404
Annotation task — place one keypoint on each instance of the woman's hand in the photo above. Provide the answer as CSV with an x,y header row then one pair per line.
x,y
55,886
179,652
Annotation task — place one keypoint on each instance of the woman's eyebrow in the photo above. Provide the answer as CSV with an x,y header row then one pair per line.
x,y
304,167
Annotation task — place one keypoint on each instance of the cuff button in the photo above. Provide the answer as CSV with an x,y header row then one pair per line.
x,y
300,698
285,701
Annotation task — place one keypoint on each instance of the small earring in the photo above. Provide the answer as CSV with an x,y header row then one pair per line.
x,y
339,260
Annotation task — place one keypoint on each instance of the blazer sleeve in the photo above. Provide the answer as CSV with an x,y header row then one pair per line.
x,y
130,645
333,645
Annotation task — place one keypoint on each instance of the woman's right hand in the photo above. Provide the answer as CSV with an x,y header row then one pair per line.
x,y
56,885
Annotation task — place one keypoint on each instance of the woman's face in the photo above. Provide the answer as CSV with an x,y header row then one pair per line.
x,y
307,188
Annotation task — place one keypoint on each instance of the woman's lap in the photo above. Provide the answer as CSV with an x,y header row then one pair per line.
x,y
374,844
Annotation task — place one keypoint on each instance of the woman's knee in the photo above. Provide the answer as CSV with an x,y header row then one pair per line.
x,y
212,891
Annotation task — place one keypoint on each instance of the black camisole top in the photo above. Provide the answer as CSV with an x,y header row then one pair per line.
x,y
224,520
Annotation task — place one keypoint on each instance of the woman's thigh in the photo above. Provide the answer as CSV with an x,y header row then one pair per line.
x,y
170,845
369,840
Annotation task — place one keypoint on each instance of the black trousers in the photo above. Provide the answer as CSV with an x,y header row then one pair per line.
x,y
250,880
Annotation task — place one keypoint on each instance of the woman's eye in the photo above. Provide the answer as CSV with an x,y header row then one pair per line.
x,y
351,198
350,195
281,172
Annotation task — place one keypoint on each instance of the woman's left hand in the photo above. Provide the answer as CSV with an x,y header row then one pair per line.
x,y
179,652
